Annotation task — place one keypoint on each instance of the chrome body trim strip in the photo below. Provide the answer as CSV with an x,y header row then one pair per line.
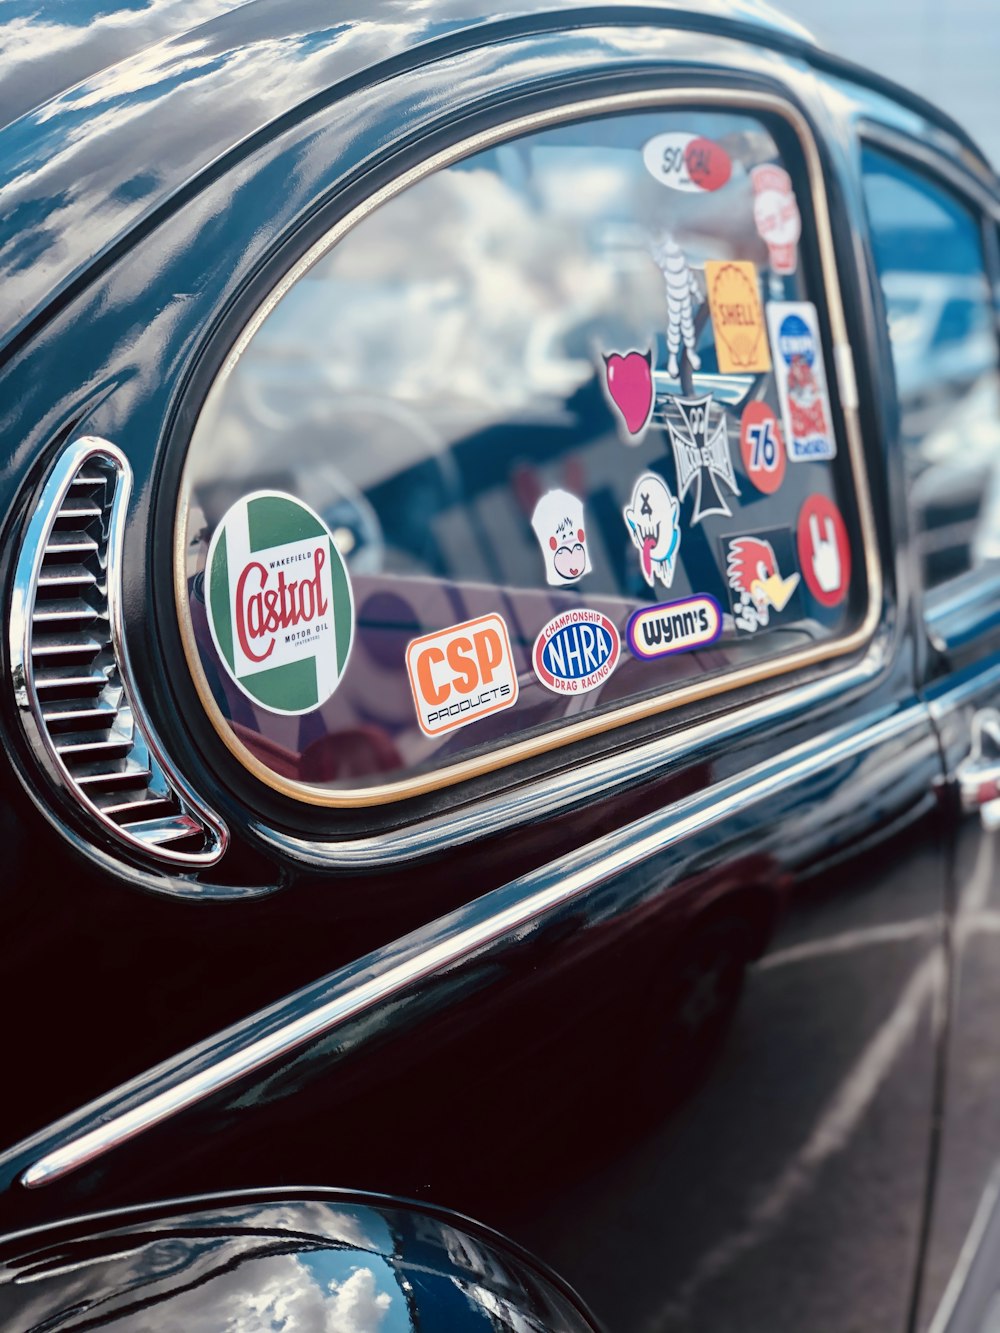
x,y
453,939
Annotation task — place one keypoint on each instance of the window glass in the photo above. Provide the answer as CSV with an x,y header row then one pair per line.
x,y
929,254
531,398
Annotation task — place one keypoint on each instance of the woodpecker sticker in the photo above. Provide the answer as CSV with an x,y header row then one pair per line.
x,y
776,216
763,585
628,380
700,439
653,521
461,674
280,606
682,295
558,524
801,379
576,651
737,317
687,162
674,627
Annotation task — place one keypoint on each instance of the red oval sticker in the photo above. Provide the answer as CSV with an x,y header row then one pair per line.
x,y
708,165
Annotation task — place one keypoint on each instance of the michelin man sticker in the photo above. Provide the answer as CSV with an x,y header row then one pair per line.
x,y
757,585
653,521
801,378
682,293
558,525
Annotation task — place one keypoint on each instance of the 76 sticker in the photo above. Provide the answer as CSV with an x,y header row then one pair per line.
x,y
762,447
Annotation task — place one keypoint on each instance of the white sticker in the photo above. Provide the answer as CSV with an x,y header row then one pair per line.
x,y
653,521
687,162
682,293
776,216
558,525
801,378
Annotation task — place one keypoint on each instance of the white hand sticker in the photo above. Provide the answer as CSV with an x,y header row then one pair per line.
x,y
825,556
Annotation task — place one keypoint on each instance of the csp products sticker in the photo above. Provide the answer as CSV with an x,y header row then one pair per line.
x,y
737,317
776,216
576,652
762,447
628,378
824,550
280,606
801,376
687,162
461,674
674,627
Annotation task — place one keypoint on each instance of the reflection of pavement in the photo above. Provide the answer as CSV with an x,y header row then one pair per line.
x,y
787,1193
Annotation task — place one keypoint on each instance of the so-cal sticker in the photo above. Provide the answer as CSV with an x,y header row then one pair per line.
x,y
700,439
653,520
674,627
687,162
762,447
576,651
682,292
461,674
801,377
776,216
558,524
824,550
280,606
628,378
737,317
757,585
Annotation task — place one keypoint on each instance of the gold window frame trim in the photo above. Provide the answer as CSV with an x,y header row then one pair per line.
x,y
502,757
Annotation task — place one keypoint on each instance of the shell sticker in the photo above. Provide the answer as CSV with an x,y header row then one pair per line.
x,y
700,439
279,601
576,651
801,378
558,524
762,447
682,295
737,317
761,579
674,627
653,521
628,379
461,674
824,550
687,162
776,216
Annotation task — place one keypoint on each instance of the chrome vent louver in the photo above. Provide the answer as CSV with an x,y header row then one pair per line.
x,y
71,676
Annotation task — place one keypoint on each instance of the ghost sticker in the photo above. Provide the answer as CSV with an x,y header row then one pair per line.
x,y
628,378
653,521
700,438
757,585
682,292
558,525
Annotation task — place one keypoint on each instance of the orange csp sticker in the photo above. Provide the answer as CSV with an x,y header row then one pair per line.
x,y
461,674
737,317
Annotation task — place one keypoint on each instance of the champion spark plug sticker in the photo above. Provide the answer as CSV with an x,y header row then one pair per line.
x,y
687,162
280,606
700,439
824,550
558,524
653,521
628,379
576,651
737,317
461,674
761,579
762,447
801,377
682,293
674,627
776,216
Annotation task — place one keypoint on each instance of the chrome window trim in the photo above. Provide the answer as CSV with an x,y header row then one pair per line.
x,y
841,369
374,979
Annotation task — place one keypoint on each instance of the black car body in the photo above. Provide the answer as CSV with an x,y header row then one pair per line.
x,y
679,967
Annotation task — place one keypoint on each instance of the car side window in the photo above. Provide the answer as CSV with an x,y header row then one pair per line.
x,y
928,248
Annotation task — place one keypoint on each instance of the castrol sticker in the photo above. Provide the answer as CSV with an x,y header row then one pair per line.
x,y
576,651
279,600
687,162
674,627
461,674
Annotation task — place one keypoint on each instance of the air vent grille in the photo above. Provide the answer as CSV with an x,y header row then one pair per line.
x,y
71,676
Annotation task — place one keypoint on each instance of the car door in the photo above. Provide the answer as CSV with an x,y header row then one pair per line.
x,y
934,240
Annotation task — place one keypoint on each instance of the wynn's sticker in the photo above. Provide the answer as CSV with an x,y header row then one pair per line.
x,y
674,627
461,674
653,520
776,216
558,524
280,606
687,162
576,651
628,378
801,377
737,317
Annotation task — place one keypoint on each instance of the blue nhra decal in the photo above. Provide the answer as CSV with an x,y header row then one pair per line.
x,y
674,627
576,651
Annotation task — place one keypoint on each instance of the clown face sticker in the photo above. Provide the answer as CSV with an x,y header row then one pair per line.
x,y
653,521
558,525
628,379
776,216
700,438
801,376
761,579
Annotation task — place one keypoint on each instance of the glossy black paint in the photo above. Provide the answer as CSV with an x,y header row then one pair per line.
x,y
571,1083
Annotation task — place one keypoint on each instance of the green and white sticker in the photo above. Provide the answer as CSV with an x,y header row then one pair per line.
x,y
280,605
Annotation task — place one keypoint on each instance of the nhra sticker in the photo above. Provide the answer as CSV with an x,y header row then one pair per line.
x,y
801,377
776,216
761,579
576,652
280,606
461,674
737,317
628,379
674,627
687,162
762,447
653,520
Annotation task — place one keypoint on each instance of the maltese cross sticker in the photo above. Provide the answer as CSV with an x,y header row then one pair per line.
x,y
701,451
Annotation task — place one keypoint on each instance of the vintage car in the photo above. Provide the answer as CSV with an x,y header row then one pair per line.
x,y
500,514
